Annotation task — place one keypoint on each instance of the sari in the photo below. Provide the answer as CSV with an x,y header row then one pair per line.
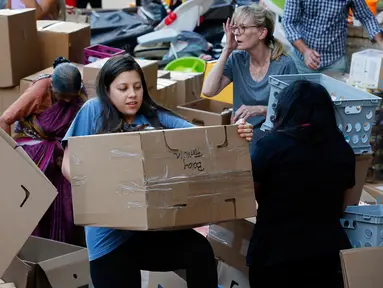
x,y
40,136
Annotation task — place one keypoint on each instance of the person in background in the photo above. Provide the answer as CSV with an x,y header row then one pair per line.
x,y
318,31
44,113
45,9
303,172
250,56
117,256
3,4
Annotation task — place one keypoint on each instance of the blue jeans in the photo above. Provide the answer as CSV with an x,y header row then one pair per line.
x,y
338,66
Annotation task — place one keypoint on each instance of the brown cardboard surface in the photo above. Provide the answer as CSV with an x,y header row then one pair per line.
x,y
91,70
363,162
230,241
229,277
190,85
168,93
181,178
65,39
7,97
25,196
206,112
19,55
163,74
362,267
26,81
49,264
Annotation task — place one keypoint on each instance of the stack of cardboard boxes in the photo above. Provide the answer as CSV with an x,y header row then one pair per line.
x,y
26,193
29,47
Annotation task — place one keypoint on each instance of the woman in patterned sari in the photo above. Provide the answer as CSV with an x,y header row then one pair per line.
x,y
43,114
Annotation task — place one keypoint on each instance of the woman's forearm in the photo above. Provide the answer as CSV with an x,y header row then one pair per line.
x,y
213,82
5,126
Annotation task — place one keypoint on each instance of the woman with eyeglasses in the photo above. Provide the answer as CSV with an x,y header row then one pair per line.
x,y
43,114
251,54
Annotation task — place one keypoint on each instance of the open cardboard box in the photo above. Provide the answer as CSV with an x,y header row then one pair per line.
x,y
25,196
43,263
161,179
206,112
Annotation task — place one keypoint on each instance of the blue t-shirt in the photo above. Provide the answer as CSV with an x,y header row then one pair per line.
x,y
246,91
101,241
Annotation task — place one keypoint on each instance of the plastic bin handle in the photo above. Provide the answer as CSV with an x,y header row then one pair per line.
x,y
366,217
274,81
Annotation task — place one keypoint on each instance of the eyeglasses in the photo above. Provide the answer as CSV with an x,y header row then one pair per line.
x,y
240,29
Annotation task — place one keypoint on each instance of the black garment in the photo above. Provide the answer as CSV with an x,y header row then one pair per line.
x,y
94,3
157,251
315,272
300,198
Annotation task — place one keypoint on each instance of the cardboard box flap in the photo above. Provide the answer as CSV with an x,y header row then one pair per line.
x,y
362,267
41,24
17,273
8,139
65,27
144,63
26,195
9,12
65,266
21,152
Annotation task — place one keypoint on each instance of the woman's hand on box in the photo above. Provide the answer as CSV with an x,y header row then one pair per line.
x,y
245,130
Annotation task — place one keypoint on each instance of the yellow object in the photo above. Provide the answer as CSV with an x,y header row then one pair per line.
x,y
226,94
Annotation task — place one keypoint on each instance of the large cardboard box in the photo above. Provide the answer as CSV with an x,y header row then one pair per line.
x,y
19,55
7,97
43,263
230,241
66,39
91,70
26,81
362,267
206,112
26,195
229,277
161,179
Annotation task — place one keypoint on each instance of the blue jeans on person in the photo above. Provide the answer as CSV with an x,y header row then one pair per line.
x,y
338,66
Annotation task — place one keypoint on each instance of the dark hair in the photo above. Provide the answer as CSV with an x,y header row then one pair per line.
x,y
59,60
305,111
112,120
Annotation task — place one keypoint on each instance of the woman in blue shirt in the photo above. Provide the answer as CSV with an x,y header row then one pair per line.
x,y
117,256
